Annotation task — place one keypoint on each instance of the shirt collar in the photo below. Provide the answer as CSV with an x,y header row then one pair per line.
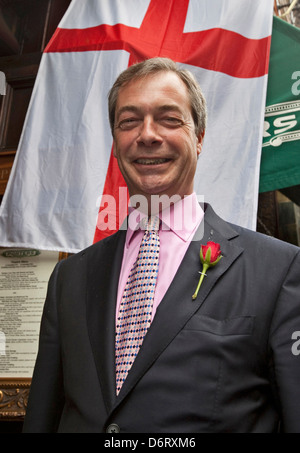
x,y
182,218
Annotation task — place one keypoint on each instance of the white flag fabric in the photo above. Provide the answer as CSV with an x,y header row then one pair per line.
x,y
64,165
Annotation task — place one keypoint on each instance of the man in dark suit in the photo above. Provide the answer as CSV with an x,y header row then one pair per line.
x,y
225,361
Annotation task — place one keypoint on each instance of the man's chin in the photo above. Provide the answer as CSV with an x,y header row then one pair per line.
x,y
152,200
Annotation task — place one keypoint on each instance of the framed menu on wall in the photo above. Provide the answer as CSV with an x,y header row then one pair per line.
x,y
24,276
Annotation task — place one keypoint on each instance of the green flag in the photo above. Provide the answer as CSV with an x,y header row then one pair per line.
x,y
280,163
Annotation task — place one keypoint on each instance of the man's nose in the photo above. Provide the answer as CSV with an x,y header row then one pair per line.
x,y
149,132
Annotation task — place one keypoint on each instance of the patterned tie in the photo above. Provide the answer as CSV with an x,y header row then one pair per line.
x,y
135,312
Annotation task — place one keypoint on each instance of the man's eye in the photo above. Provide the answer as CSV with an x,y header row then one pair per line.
x,y
172,121
128,123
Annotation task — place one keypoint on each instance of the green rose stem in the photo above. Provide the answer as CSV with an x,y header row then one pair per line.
x,y
207,261
203,274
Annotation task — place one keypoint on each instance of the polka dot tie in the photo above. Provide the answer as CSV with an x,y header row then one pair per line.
x,y
135,312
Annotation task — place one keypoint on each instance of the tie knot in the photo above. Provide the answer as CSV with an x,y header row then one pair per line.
x,y
150,223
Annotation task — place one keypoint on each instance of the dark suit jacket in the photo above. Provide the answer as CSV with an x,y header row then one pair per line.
x,y
221,363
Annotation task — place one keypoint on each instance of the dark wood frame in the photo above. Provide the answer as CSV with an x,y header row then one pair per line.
x,y
13,398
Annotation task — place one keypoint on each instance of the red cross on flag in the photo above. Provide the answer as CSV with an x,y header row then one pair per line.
x,y
64,165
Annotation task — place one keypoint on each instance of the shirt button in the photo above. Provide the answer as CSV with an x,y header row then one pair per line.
x,y
113,428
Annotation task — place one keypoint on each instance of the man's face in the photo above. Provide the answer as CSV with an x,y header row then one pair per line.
x,y
155,141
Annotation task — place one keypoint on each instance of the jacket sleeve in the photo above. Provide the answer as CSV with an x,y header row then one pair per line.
x,y
46,393
285,351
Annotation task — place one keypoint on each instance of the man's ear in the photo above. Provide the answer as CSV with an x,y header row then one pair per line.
x,y
200,139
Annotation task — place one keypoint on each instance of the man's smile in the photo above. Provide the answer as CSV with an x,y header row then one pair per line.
x,y
151,161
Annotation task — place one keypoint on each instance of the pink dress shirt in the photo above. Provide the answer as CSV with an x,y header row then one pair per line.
x,y
179,224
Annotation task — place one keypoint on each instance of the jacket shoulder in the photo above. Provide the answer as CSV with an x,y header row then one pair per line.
x,y
245,237
97,251
267,245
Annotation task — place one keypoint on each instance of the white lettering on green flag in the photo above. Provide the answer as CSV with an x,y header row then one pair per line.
x,y
280,163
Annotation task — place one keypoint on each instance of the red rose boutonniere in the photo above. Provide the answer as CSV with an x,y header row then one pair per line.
x,y
210,255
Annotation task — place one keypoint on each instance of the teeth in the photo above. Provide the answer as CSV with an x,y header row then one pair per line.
x,y
151,161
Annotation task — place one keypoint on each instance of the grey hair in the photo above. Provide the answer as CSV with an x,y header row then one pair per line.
x,y
152,66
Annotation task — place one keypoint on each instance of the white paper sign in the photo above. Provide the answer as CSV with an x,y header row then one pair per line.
x,y
24,276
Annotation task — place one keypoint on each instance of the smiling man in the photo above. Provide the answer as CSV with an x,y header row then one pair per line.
x,y
156,143
125,345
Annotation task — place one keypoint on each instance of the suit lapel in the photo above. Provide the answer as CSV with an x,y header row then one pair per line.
x,y
177,307
102,286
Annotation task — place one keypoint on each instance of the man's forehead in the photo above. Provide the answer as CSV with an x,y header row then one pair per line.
x,y
159,108
165,78
163,88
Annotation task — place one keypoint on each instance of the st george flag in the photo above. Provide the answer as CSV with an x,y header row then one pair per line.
x,y
64,170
